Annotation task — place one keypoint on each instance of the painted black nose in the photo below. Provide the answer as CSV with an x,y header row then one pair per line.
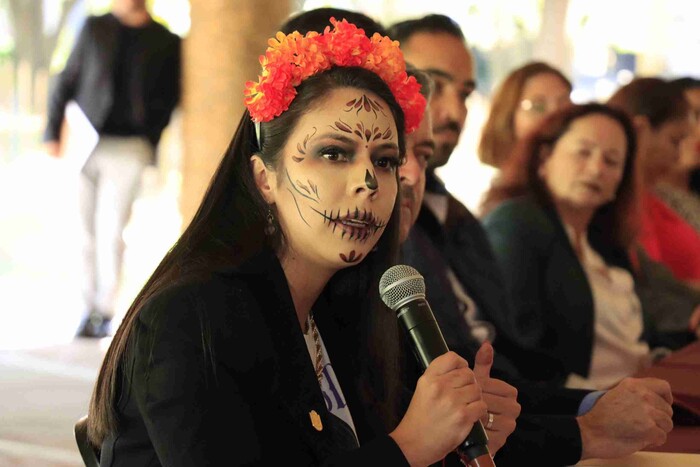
x,y
371,180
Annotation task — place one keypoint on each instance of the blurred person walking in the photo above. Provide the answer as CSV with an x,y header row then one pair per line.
x,y
124,74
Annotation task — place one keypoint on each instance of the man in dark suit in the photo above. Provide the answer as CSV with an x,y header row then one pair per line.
x,y
124,74
449,247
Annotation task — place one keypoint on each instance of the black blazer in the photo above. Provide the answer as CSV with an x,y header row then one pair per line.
x,y
552,300
88,77
220,375
547,423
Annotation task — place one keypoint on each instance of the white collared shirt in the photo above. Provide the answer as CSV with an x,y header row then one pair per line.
x,y
618,351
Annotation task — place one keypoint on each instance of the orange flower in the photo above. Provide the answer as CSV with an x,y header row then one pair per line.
x,y
290,59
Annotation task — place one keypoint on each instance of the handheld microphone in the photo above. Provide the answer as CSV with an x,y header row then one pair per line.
x,y
402,289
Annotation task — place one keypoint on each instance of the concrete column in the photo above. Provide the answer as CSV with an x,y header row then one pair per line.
x,y
220,54
551,44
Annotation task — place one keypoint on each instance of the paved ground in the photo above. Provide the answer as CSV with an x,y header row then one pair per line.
x,y
46,376
43,392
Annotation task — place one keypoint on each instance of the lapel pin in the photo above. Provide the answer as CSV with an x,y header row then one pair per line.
x,y
316,420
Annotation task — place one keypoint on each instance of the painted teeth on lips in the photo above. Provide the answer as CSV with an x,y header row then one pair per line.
x,y
357,218
355,223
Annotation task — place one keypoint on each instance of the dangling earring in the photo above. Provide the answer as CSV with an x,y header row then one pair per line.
x,y
270,227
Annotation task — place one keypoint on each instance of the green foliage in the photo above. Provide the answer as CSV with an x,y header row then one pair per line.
x,y
6,54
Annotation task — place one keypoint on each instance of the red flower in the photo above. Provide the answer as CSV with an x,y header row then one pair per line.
x,y
291,59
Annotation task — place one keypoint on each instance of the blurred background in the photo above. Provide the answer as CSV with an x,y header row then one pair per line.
x,y
598,44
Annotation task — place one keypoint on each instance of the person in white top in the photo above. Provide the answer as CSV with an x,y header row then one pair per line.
x,y
561,221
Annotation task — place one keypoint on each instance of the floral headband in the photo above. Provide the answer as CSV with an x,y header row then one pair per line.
x,y
292,58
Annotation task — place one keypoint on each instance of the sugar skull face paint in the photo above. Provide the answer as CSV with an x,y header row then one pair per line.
x,y
337,184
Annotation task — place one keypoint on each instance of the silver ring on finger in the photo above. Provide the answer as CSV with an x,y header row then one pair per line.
x,y
489,424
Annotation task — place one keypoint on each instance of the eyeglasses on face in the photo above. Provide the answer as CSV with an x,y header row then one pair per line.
x,y
544,106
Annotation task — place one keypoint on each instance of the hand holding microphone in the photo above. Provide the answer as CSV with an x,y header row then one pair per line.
x,y
446,406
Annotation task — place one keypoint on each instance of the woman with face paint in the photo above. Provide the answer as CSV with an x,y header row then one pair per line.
x,y
260,339
561,221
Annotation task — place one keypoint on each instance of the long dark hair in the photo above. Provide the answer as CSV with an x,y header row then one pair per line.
x,y
617,220
318,18
229,227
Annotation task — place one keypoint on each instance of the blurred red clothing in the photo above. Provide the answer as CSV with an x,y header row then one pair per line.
x,y
669,239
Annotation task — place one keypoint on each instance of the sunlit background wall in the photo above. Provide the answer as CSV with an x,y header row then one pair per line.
x,y
599,44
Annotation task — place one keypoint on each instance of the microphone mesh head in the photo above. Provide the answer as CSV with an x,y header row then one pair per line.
x,y
400,283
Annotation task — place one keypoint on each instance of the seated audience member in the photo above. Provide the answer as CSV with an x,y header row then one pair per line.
x,y
661,116
684,197
219,360
691,147
528,95
460,273
560,220
525,97
674,187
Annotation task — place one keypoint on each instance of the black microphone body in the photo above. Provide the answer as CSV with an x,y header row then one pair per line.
x,y
402,289
418,321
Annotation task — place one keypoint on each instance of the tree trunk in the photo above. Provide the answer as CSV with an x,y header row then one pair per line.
x,y
220,54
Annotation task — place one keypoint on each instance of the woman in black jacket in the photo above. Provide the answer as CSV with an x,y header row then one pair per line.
x,y
561,221
220,360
